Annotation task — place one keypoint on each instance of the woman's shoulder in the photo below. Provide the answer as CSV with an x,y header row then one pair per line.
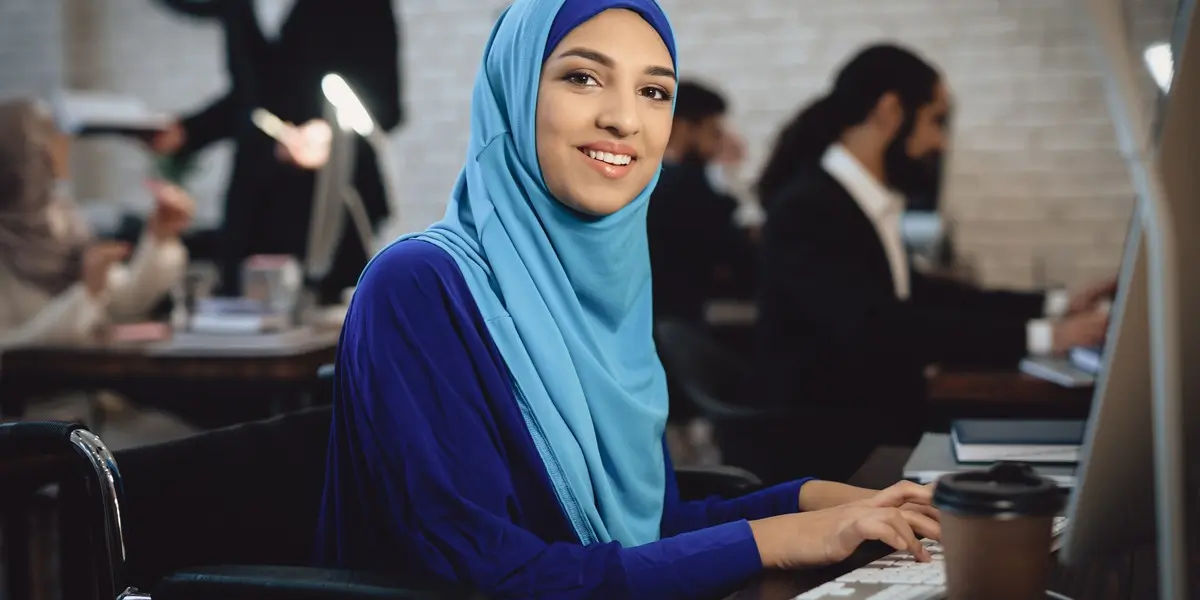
x,y
411,267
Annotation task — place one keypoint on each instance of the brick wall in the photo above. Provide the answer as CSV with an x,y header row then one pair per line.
x,y
30,47
1036,188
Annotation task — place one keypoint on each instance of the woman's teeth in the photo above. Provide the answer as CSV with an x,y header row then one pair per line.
x,y
610,158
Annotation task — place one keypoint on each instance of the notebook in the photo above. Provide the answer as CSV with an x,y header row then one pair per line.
x,y
1032,441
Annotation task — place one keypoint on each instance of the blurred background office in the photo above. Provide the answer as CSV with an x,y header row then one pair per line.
x,y
1032,192
1034,187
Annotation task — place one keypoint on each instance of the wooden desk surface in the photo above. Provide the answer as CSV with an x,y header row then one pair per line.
x,y
34,371
157,359
1004,391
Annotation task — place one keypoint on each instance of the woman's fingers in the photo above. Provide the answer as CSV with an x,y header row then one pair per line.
x,y
891,527
899,520
904,492
882,530
924,509
922,525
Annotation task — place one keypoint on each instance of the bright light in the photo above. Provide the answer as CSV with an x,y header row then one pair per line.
x,y
1161,64
350,110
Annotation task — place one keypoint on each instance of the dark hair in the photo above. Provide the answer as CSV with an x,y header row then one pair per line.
x,y
696,102
860,84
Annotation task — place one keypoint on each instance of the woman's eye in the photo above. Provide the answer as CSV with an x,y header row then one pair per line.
x,y
581,79
655,93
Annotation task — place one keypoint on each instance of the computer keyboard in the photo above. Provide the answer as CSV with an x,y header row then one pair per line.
x,y
897,576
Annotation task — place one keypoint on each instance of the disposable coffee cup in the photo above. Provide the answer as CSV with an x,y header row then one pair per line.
x,y
996,532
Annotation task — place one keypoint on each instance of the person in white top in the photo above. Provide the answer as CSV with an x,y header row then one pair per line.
x,y
58,283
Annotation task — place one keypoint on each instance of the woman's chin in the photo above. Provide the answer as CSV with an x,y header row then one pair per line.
x,y
597,204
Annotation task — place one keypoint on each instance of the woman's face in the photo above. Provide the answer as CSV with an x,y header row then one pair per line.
x,y
604,112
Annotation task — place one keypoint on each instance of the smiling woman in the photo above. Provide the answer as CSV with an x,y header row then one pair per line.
x,y
603,119
499,405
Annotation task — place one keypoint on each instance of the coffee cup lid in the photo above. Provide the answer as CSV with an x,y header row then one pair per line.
x,y
1006,488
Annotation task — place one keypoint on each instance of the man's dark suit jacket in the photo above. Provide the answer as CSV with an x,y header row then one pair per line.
x,y
268,203
831,331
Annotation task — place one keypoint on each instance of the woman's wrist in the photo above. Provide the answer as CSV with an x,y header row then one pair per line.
x,y
766,534
819,495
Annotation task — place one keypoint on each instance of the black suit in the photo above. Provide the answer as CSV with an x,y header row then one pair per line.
x,y
268,203
835,338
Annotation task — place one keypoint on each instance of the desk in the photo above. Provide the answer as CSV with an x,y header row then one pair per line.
x,y
287,370
1130,578
960,392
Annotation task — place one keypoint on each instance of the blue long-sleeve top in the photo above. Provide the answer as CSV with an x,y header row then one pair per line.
x,y
432,471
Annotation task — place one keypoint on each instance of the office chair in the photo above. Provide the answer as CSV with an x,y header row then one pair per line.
x,y
777,444
228,514
709,377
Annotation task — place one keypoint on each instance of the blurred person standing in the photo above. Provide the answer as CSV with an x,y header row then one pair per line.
x,y
277,52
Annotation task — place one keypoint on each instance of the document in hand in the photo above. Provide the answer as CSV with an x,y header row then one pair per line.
x,y
96,113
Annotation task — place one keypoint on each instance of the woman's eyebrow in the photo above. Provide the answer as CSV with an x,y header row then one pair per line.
x,y
605,60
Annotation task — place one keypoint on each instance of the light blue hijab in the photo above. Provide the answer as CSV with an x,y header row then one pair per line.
x,y
567,300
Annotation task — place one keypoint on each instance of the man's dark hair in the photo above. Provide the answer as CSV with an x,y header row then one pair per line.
x,y
860,84
695,102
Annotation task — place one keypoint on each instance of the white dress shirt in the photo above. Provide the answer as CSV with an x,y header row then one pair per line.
x,y
271,15
885,208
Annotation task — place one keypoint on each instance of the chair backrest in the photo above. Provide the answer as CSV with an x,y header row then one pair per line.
x,y
33,454
708,375
246,494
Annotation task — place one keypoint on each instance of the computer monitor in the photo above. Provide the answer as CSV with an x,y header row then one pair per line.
x,y
333,180
1134,482
335,196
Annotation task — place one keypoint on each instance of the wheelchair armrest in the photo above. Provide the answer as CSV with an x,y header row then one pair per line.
x,y
253,582
721,480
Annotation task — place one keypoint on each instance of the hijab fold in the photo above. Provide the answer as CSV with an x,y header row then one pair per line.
x,y
31,245
566,299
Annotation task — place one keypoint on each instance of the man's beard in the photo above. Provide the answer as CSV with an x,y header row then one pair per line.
x,y
911,176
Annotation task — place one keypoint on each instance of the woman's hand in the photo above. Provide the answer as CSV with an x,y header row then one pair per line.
x,y
896,516
170,140
306,146
98,259
819,495
824,537
908,496
173,210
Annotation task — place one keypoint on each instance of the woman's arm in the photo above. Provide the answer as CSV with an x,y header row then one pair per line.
x,y
157,264
680,516
433,472
67,319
